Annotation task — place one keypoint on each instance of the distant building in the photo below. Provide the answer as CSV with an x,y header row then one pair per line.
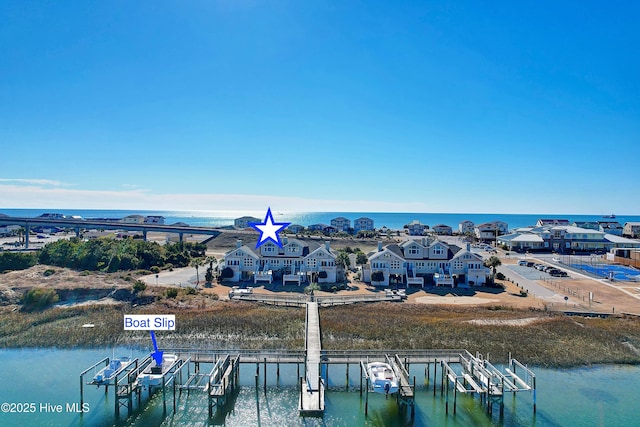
x,y
295,228
317,227
52,216
154,219
590,225
564,239
341,223
243,222
611,227
490,230
553,221
415,228
631,229
442,229
466,227
133,219
363,224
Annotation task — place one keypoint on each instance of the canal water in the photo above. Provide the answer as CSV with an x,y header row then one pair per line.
x,y
41,387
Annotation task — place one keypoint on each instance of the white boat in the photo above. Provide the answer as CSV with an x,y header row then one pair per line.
x,y
108,374
383,378
151,376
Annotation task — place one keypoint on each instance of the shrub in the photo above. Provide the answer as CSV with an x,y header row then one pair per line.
x,y
190,291
49,272
172,293
377,276
155,269
39,298
139,286
10,261
226,273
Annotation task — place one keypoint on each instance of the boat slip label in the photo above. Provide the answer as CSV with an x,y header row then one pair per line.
x,y
149,322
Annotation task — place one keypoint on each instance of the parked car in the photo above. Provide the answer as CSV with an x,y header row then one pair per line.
x,y
522,263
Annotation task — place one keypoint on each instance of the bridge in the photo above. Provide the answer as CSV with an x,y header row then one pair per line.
x,y
84,224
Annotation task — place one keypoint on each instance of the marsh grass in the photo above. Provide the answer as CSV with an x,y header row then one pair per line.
x,y
552,340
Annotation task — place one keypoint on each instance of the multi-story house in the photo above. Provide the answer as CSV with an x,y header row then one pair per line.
x,y
362,224
416,262
133,219
631,229
611,227
415,228
442,229
465,227
243,222
341,223
296,261
295,228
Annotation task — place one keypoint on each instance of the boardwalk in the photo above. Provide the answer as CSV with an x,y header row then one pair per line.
x,y
312,393
296,300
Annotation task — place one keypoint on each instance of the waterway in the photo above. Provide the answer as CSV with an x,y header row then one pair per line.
x,y
394,220
595,396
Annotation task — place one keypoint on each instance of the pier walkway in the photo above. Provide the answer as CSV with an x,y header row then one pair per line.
x,y
312,392
297,300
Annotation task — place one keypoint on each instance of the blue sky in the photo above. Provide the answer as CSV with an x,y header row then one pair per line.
x,y
507,107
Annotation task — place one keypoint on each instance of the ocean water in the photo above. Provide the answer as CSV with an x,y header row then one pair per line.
x,y
392,220
596,396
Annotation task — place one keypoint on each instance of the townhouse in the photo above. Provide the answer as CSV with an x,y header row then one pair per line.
x,y
296,261
425,261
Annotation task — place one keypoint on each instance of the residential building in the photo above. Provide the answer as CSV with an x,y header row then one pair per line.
x,y
295,228
296,261
317,227
591,225
133,219
563,239
363,224
611,227
425,261
487,231
341,223
415,228
154,219
552,221
631,229
442,229
243,222
466,227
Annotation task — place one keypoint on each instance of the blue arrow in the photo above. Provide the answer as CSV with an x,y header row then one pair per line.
x,y
157,355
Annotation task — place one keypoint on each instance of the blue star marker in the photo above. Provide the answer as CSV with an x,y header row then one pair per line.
x,y
269,229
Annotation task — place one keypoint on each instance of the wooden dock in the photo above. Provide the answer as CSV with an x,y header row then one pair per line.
x,y
296,300
312,387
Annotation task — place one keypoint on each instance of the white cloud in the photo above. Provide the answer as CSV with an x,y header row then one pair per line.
x,y
34,181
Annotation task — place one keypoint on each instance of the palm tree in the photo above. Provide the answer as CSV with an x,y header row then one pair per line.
x,y
196,262
493,262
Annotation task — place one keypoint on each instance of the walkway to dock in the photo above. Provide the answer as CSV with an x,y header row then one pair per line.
x,y
297,300
312,393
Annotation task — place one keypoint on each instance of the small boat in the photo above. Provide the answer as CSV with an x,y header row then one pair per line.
x,y
108,374
152,375
383,378
609,216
